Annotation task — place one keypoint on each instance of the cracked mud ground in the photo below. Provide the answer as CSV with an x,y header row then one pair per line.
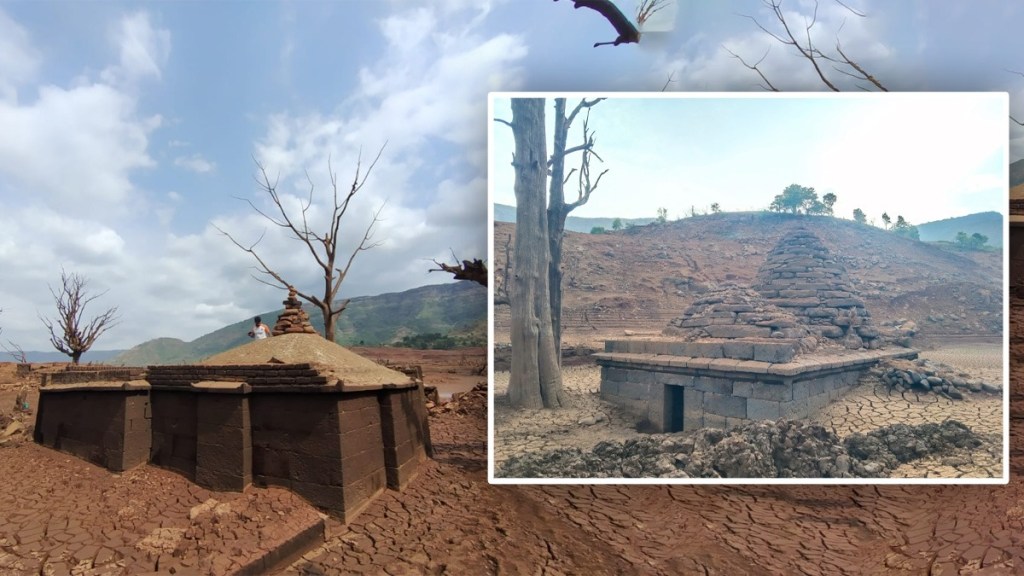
x,y
451,521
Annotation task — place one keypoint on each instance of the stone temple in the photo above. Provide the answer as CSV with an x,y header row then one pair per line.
x,y
293,410
783,348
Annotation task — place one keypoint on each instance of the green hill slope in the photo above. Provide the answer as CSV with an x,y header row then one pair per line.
x,y
987,223
457,309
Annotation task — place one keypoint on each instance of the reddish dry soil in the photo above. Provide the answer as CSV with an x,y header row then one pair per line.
x,y
450,370
637,280
451,521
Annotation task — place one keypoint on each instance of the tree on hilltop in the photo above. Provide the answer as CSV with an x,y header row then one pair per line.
x,y
905,229
829,200
797,199
859,216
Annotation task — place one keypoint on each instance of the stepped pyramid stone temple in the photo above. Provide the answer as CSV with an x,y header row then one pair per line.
x,y
783,348
293,410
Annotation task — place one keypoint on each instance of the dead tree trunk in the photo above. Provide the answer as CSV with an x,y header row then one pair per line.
x,y
72,335
536,380
322,247
558,210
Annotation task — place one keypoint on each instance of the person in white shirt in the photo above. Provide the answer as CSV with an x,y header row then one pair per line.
x,y
260,331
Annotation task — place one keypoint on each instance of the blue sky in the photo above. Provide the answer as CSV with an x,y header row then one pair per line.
x,y
882,153
128,129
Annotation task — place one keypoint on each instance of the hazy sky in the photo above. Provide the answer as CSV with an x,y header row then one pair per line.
x,y
877,152
127,129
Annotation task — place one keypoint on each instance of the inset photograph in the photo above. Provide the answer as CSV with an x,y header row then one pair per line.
x,y
749,288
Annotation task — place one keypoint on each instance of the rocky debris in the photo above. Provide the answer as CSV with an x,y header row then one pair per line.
x,y
923,376
801,276
764,449
741,314
294,319
471,403
16,427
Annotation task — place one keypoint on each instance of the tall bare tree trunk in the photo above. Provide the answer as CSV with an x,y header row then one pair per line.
x,y
558,210
536,380
556,223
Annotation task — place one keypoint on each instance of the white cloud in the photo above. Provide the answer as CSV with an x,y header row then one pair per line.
x,y
705,65
195,163
428,90
19,60
75,147
143,50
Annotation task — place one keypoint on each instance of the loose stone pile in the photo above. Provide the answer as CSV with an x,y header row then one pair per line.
x,y
294,319
801,276
765,449
922,376
738,319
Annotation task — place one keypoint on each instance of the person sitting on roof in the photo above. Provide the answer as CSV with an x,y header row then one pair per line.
x,y
260,331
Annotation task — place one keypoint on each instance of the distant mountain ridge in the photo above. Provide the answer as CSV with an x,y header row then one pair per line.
x,y
457,309
1017,173
988,223
505,213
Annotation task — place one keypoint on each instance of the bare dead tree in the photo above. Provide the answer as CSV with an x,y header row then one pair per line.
x,y
15,351
535,380
473,270
558,209
71,335
322,247
501,284
525,317
819,60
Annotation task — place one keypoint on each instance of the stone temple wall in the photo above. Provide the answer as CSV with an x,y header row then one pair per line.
x,y
225,427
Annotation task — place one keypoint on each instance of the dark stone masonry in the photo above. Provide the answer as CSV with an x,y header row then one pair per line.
x,y
782,349
336,434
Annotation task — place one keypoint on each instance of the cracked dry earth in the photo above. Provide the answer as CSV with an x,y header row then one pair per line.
x,y
451,521
869,406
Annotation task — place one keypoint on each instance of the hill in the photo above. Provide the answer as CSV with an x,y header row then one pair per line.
x,y
987,223
1016,173
639,279
456,309
505,213
54,356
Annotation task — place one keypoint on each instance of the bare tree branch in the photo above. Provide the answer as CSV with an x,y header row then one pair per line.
x,y
807,50
585,185
505,122
852,11
322,247
70,336
17,353
767,83
473,270
667,82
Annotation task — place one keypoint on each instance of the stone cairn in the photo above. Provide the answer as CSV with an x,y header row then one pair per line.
x,y
801,276
294,319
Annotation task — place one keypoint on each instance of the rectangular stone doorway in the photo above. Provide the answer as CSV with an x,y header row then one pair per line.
x,y
674,408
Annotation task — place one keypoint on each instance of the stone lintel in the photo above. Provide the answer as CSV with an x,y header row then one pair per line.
x,y
805,365
109,386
